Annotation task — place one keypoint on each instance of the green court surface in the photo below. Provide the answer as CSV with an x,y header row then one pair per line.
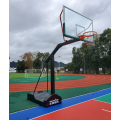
x,y
105,98
18,100
16,76
44,79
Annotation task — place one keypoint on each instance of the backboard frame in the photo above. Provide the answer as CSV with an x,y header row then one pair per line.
x,y
76,37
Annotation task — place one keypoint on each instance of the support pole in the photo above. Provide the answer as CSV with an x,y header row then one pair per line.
x,y
47,77
84,63
51,57
52,75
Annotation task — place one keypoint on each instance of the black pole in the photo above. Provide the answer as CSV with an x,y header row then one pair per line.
x,y
47,77
59,46
52,75
51,57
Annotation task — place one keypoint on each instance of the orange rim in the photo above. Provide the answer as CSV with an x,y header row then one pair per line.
x,y
90,35
83,36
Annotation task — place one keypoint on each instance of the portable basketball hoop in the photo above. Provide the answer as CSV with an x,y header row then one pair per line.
x,y
45,98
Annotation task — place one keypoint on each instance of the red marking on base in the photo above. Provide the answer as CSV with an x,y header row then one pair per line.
x,y
90,110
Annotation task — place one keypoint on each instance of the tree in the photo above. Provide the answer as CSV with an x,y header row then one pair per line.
x,y
96,56
37,63
105,47
77,60
21,66
28,58
45,56
42,57
69,66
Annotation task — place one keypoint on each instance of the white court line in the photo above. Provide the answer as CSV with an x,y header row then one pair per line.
x,y
71,105
23,110
71,98
103,95
65,108
60,109
106,110
90,93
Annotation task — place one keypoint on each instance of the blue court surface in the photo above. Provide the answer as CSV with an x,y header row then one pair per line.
x,y
40,110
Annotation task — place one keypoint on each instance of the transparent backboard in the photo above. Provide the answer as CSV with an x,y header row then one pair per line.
x,y
75,24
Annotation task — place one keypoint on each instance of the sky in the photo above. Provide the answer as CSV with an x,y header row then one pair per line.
x,y
34,25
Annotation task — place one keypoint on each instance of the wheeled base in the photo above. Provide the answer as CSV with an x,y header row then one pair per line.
x,y
44,99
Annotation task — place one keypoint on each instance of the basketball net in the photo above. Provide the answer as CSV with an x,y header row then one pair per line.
x,y
90,43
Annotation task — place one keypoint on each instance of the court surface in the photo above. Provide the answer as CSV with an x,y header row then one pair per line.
x,y
89,80
92,106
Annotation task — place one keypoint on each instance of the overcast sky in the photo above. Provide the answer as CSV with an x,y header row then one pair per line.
x,y
34,25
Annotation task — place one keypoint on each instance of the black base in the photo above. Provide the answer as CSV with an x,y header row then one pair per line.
x,y
43,98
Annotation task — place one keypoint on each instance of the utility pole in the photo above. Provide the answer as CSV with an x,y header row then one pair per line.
x,y
84,63
9,63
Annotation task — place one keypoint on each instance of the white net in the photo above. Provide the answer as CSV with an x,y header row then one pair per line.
x,y
29,73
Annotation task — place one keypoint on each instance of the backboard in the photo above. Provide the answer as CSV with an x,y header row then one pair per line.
x,y
75,24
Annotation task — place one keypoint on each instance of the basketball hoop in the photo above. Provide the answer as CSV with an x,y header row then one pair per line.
x,y
83,36
88,42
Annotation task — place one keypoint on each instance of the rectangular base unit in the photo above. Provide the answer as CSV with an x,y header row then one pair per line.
x,y
44,99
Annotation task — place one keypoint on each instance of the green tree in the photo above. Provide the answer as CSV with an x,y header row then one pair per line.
x,y
95,56
43,57
105,48
86,54
37,63
21,66
40,56
77,60
69,66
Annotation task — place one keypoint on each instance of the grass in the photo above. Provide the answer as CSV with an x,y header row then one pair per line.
x,y
16,76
